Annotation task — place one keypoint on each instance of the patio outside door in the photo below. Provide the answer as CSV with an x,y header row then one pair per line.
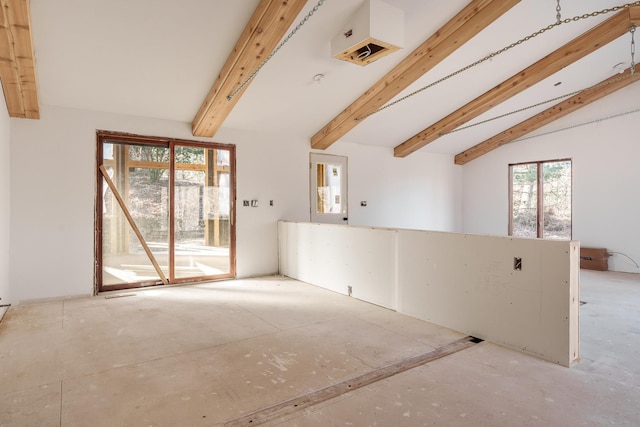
x,y
164,211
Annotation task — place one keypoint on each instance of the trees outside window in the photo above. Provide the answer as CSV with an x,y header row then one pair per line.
x,y
540,199
164,211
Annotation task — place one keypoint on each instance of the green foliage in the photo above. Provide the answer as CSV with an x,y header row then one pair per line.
x,y
556,181
149,153
190,155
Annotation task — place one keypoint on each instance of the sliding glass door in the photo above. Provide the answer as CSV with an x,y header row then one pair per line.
x,y
202,225
164,211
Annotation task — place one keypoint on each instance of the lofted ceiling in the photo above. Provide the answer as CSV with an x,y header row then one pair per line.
x,y
166,59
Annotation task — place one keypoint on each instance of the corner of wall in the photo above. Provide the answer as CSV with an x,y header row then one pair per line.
x,y
5,207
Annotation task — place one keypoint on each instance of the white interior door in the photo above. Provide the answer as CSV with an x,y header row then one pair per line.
x,y
328,190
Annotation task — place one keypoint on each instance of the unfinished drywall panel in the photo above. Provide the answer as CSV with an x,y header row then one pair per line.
x,y
5,165
371,274
513,292
520,293
350,260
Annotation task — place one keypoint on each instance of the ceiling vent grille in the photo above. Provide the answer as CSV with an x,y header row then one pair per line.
x,y
374,31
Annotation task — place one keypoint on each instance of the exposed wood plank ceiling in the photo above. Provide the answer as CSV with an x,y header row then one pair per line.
x,y
464,26
559,110
267,26
592,40
17,68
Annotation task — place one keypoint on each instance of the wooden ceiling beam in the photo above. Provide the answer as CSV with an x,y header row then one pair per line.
x,y
17,64
465,25
559,110
576,49
266,28
634,16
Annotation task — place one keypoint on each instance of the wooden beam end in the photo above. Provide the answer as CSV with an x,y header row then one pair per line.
x,y
634,16
203,127
401,151
460,159
202,133
17,65
322,140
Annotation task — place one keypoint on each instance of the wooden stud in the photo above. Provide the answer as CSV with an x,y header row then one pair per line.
x,y
578,48
17,65
266,28
465,25
559,110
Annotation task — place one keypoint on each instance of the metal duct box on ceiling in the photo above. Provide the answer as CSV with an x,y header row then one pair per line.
x,y
374,31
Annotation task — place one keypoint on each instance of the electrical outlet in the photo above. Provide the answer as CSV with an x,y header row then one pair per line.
x,y
363,203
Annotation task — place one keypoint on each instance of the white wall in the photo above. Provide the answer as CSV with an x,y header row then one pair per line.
x,y
606,206
5,207
421,191
53,180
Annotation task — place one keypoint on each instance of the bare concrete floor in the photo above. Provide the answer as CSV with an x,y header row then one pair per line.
x,y
208,354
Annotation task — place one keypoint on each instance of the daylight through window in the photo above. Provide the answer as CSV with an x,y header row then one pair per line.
x,y
540,199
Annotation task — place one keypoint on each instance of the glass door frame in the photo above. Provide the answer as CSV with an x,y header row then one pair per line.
x,y
170,143
340,163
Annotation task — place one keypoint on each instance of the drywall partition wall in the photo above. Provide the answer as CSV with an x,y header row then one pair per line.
x,y
470,283
460,281
341,259
605,176
5,209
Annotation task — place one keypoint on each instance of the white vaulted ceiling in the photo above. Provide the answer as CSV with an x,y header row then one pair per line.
x,y
159,58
